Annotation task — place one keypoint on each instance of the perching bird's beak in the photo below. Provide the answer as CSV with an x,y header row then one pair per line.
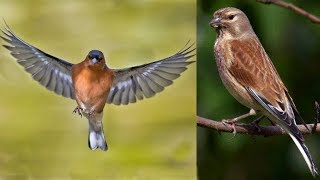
x,y
216,22
94,60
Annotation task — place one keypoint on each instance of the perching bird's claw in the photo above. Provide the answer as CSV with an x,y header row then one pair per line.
x,y
256,126
255,123
232,124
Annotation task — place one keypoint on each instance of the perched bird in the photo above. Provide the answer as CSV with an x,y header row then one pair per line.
x,y
93,84
249,75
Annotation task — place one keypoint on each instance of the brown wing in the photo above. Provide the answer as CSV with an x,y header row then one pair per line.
x,y
253,69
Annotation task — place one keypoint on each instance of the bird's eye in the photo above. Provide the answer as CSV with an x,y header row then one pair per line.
x,y
90,57
230,17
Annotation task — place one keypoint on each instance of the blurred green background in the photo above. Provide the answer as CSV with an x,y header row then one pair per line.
x,y
152,139
293,43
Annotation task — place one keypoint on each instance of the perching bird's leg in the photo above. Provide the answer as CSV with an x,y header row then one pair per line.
x,y
78,110
233,121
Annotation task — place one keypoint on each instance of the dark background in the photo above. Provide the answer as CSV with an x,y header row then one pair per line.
x,y
293,43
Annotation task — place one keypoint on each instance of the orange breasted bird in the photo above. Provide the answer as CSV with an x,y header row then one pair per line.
x,y
93,84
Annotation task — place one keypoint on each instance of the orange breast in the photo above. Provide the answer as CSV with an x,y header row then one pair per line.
x,y
91,86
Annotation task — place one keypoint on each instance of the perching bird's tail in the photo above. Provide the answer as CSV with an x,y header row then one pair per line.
x,y
306,155
96,139
288,124
298,139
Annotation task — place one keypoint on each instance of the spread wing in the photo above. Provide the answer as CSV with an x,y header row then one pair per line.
x,y
49,71
253,69
146,80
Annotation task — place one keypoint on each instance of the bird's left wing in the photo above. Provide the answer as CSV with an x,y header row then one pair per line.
x,y
146,80
51,72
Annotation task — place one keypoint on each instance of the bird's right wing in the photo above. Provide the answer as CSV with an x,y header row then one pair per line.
x,y
49,71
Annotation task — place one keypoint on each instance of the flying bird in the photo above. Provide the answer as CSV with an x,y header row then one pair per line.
x,y
93,84
249,75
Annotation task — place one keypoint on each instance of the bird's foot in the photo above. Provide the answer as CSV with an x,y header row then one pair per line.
x,y
255,123
232,123
78,110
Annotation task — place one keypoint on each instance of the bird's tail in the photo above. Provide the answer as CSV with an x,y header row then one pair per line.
x,y
306,155
96,139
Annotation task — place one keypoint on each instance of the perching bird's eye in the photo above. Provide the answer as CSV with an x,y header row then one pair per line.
x,y
230,17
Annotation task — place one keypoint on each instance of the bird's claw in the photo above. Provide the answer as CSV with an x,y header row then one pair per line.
x,y
256,125
78,110
232,124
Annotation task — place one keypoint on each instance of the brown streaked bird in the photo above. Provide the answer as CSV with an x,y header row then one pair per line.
x,y
93,84
249,75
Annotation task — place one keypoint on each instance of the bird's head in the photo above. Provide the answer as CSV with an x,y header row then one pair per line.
x,y
230,21
96,58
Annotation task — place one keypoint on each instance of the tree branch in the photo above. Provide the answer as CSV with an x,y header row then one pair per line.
x,y
294,8
257,130
250,129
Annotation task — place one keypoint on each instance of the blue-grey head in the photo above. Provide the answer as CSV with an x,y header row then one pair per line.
x,y
96,57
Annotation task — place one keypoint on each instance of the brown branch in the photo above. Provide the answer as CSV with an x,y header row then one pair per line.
x,y
250,128
294,8
258,130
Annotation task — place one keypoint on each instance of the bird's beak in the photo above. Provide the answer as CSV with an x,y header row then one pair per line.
x,y
216,22
94,61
